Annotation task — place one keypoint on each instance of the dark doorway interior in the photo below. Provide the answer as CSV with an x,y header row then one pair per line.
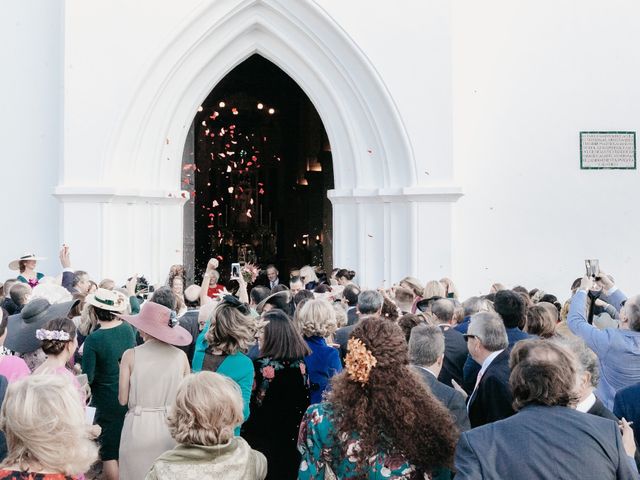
x,y
258,165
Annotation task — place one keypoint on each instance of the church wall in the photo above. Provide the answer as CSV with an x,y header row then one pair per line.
x,y
527,78
31,35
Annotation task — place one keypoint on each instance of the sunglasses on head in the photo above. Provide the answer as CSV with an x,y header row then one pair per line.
x,y
467,336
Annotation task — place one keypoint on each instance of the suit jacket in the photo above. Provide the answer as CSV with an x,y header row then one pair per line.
x,y
450,398
471,367
627,405
539,442
492,400
67,281
455,354
352,315
599,410
341,337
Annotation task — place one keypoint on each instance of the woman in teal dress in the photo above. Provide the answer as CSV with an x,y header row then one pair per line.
x,y
26,265
102,351
230,333
379,420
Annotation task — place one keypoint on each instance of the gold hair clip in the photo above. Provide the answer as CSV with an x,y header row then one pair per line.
x,y
359,361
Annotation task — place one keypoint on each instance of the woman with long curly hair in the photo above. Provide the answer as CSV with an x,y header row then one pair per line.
x,y
379,420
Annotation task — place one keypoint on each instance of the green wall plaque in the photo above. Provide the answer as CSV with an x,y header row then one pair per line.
x,y
608,150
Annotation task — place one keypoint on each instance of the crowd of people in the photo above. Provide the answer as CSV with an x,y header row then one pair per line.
x,y
309,375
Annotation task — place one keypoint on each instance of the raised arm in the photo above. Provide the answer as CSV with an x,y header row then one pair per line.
x,y
597,340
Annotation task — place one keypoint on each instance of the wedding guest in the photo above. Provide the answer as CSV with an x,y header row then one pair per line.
x,y
230,333
12,367
317,321
26,265
103,350
280,396
308,277
207,409
374,415
149,378
44,423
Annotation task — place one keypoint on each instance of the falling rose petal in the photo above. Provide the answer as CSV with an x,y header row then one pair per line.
x,y
241,190
204,123
209,226
249,213
235,165
249,164
251,201
200,108
254,158
234,111
261,191
230,189
222,155
215,203
208,184
229,169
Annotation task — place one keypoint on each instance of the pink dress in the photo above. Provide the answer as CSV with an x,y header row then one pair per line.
x,y
13,368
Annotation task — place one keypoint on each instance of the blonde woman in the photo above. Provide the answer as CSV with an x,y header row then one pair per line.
x,y
433,288
317,321
230,332
207,409
44,422
309,278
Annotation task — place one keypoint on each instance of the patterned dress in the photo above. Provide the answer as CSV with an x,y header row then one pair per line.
x,y
319,448
16,475
279,398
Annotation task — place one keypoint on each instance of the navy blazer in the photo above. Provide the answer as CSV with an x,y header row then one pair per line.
x,y
471,367
455,354
492,400
539,442
341,337
450,398
627,405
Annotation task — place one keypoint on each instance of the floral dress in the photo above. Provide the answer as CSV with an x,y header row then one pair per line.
x,y
319,449
16,475
279,398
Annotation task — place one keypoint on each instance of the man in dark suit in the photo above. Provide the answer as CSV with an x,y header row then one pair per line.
x,y
369,303
350,299
455,348
559,442
491,398
510,306
427,353
627,405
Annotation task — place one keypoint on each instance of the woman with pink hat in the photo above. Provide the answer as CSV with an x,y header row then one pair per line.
x,y
150,375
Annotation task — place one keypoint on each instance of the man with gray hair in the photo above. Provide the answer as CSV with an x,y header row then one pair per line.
x,y
426,351
455,348
588,376
369,303
472,306
487,341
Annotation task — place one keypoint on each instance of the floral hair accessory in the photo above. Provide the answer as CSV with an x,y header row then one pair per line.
x,y
42,334
359,361
173,319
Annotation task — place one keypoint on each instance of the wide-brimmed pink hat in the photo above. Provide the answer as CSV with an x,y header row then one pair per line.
x,y
161,323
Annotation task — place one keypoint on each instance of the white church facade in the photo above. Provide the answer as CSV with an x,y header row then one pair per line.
x,y
454,130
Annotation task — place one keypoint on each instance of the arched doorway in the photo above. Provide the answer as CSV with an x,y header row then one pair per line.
x,y
257,165
377,200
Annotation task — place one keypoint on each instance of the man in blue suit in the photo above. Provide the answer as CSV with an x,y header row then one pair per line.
x,y
559,442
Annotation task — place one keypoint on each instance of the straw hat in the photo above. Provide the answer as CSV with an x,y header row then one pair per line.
x,y
161,323
111,300
15,264
278,300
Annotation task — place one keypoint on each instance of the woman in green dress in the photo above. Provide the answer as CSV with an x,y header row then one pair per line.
x,y
103,350
379,420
